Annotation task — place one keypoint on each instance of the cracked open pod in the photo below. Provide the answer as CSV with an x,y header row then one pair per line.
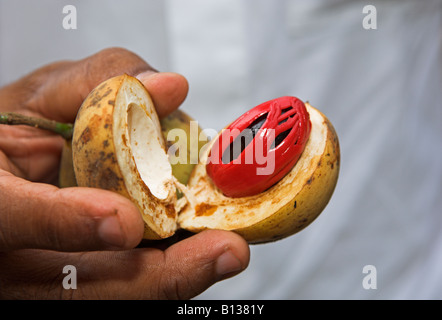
x,y
118,145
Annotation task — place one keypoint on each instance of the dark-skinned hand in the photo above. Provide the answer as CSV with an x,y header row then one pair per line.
x,y
44,228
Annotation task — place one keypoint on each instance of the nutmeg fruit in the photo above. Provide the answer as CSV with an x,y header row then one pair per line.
x,y
118,145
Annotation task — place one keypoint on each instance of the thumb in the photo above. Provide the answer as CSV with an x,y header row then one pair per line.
x,y
167,89
37,215
194,264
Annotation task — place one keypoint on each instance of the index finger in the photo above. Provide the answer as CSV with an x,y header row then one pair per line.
x,y
62,87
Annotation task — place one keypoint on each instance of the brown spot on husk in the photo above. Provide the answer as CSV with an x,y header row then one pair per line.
x,y
85,136
170,211
109,180
205,209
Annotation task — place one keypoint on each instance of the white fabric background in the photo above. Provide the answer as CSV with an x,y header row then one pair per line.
x,y
380,88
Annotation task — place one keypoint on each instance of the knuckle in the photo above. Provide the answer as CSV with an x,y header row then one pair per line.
x,y
113,54
176,285
116,60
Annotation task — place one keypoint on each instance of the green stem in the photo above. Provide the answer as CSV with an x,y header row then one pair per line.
x,y
63,129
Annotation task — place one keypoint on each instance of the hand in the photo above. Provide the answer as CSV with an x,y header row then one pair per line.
x,y
44,228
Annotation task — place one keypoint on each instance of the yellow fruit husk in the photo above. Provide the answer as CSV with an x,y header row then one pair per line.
x,y
102,156
194,140
284,209
66,177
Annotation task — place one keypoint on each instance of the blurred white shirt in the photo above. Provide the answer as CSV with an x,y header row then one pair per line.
x,y
380,88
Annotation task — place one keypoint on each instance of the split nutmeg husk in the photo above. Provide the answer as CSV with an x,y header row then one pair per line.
x,y
119,145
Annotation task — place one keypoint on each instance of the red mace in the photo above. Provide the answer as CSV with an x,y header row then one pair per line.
x,y
259,148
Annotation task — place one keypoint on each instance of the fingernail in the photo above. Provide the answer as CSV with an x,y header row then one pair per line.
x,y
144,75
227,264
110,232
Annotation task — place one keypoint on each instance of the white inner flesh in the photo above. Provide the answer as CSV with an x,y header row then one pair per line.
x,y
150,158
140,154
